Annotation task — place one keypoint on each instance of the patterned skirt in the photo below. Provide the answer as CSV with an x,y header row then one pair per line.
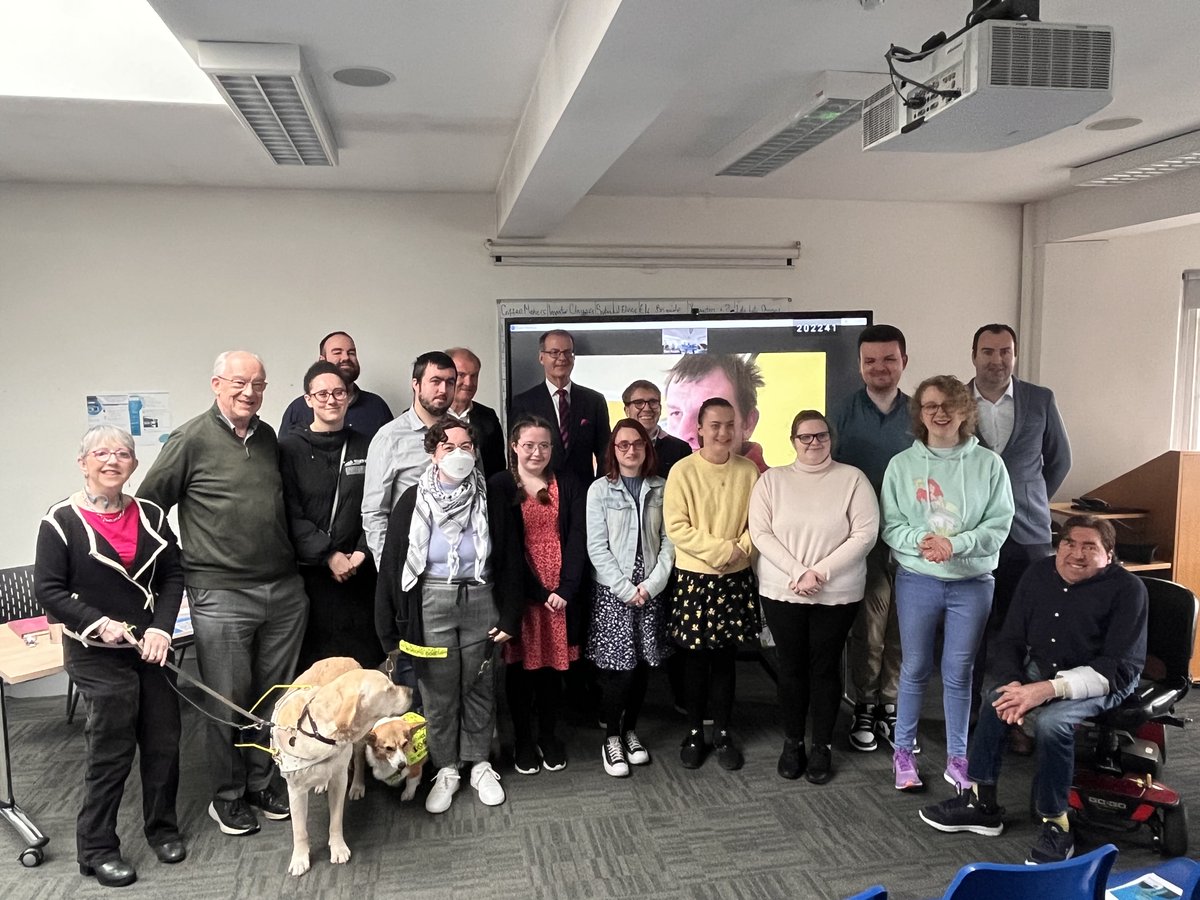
x,y
709,612
621,636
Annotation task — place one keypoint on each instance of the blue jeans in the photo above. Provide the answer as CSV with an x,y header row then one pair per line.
x,y
962,607
1054,725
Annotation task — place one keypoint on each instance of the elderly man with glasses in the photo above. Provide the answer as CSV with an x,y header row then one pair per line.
x,y
247,599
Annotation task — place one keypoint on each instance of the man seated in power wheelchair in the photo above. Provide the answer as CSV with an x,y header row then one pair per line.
x,y
1073,646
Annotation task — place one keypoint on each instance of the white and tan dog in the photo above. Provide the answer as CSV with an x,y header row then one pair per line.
x,y
395,751
317,725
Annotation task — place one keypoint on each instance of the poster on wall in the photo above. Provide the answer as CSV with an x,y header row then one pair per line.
x,y
146,415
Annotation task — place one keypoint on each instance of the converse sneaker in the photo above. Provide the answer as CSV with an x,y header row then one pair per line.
x,y
527,760
1053,845
612,754
862,732
445,786
904,766
635,750
964,813
885,724
956,773
486,783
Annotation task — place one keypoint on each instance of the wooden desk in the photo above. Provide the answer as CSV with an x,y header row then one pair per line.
x,y
20,662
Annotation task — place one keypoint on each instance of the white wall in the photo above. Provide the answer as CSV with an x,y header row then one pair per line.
x,y
1109,333
116,288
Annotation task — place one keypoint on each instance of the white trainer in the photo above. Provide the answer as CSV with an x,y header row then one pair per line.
x,y
445,786
635,750
612,754
487,784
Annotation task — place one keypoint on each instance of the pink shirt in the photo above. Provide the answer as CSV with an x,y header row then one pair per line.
x,y
121,534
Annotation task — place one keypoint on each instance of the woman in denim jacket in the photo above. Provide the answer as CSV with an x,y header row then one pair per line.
x,y
633,558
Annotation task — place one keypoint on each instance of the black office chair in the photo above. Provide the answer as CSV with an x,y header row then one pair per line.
x,y
1119,755
16,594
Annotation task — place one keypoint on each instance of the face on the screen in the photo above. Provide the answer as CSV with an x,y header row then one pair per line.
x,y
683,401
881,364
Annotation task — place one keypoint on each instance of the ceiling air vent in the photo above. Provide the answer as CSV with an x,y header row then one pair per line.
x,y
268,89
809,118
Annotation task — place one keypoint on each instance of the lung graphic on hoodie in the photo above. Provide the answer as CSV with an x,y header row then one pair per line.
x,y
941,515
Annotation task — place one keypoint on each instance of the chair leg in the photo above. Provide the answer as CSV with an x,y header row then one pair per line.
x,y
72,700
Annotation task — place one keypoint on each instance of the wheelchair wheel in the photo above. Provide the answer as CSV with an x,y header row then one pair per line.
x,y
1174,838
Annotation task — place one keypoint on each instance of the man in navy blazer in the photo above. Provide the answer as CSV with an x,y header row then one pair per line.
x,y
1019,421
585,427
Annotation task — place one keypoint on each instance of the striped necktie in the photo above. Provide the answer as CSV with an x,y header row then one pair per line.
x,y
564,417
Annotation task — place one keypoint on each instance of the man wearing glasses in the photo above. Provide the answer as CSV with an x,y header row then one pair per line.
x,y
247,600
643,402
366,413
580,438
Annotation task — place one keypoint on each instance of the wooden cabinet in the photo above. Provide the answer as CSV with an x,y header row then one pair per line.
x,y
1168,489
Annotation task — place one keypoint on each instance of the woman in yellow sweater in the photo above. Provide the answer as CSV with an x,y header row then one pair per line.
x,y
714,606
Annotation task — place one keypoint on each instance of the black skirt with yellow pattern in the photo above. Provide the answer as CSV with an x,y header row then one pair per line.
x,y
709,612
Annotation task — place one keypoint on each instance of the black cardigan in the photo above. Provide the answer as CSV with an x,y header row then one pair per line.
x,y
309,466
79,578
398,612
572,536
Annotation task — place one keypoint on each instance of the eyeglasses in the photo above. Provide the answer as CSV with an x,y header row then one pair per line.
x,y
560,354
450,448
530,446
102,454
639,405
626,446
338,394
820,437
929,409
240,384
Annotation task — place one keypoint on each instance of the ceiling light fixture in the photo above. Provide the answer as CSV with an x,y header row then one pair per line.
x,y
272,95
650,256
830,106
1141,163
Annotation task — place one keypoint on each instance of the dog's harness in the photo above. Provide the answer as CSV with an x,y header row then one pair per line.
x,y
289,764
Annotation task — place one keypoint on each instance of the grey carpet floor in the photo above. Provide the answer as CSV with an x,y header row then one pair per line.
x,y
663,832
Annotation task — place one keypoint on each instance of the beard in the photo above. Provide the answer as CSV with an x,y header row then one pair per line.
x,y
435,407
349,370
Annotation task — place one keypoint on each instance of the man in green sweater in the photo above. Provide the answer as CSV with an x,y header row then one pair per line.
x,y
247,600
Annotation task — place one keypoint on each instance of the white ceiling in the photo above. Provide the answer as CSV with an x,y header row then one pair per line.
x,y
543,101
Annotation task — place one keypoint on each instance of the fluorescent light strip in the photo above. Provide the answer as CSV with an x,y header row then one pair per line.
x,y
1160,158
515,253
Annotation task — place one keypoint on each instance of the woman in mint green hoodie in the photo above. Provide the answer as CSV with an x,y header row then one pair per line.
x,y
947,506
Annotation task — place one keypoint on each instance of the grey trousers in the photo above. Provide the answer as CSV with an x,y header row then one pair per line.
x,y
460,704
873,649
246,641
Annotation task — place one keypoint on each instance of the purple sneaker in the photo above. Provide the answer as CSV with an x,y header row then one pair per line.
x,y
904,765
956,773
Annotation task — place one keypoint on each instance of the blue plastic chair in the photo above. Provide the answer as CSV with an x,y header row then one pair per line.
x,y
1182,872
1081,878
876,892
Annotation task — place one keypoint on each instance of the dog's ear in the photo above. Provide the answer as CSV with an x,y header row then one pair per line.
x,y
372,739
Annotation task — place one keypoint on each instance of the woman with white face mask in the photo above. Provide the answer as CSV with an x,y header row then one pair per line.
x,y
437,589
322,465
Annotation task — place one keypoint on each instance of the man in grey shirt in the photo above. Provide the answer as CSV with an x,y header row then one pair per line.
x,y
397,457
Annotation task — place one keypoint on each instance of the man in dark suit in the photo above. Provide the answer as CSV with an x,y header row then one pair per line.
x,y
1019,421
643,402
492,448
578,416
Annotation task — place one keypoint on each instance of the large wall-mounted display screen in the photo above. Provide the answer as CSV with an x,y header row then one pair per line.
x,y
769,365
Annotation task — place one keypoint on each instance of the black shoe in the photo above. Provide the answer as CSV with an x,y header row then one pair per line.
x,y
271,802
526,759
820,764
692,751
729,757
1053,845
792,761
170,851
233,816
964,813
554,755
112,873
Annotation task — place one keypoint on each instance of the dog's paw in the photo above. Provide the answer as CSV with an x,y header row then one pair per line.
x,y
357,791
410,791
299,864
338,853
320,788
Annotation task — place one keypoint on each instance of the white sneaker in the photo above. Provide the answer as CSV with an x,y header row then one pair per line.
x,y
487,784
635,750
612,754
445,786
